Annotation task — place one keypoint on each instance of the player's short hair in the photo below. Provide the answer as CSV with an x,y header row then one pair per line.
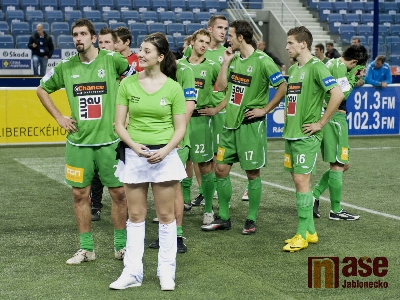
x,y
243,28
329,44
124,34
320,47
201,31
301,34
381,58
358,53
213,18
106,30
82,23
187,39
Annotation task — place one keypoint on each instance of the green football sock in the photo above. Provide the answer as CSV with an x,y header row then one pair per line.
x,y
304,211
186,185
207,181
86,241
254,190
224,188
201,189
335,189
119,239
179,231
322,185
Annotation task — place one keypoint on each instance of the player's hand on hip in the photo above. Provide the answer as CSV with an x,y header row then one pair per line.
x,y
68,124
255,113
208,111
309,129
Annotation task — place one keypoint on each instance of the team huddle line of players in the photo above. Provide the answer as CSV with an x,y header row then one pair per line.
x,y
207,108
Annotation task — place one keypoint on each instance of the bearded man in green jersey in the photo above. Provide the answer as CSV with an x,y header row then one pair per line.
x,y
335,149
248,76
90,79
309,81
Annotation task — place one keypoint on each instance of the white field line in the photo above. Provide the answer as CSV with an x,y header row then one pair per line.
x,y
371,211
352,149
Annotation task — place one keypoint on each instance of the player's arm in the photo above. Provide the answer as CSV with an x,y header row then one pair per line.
x,y
212,111
389,79
337,97
190,105
222,80
66,123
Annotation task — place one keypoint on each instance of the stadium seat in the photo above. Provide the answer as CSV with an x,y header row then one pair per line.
x,y
71,16
185,17
157,27
138,29
352,19
335,21
4,28
48,5
192,27
1,15
179,40
148,17
14,16
142,5
392,39
159,6
130,17
397,19
390,8
22,41
123,5
93,15
202,17
29,5
384,30
394,48
382,49
395,29
195,6
20,28
367,19
340,7
59,28
46,26
177,6
7,5
324,10
111,16
365,30
356,7
68,5
175,29
371,40
34,16
394,60
346,33
369,7
64,38
386,19
140,39
167,17
99,25
86,5
7,42
171,41
53,16
212,6
253,4
312,4
105,5
115,25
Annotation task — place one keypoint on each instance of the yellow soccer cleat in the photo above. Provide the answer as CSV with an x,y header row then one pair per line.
x,y
311,238
296,244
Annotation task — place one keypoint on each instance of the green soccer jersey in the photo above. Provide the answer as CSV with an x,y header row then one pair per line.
x,y
151,115
205,76
249,80
307,87
185,78
339,71
91,89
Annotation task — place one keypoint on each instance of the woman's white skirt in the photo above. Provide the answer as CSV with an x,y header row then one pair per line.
x,y
136,169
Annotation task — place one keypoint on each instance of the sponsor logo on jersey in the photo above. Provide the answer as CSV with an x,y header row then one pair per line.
x,y
345,154
135,99
199,83
90,107
220,59
344,84
287,163
293,90
73,173
101,73
93,88
249,69
302,76
75,76
276,77
328,81
163,102
189,93
203,73
240,79
237,94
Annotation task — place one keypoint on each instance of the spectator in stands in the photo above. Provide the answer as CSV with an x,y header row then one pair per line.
x,y
42,48
261,46
330,51
319,52
355,42
378,73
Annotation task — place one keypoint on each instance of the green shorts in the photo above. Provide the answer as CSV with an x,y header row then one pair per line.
x,y
184,154
82,162
301,155
335,141
218,126
201,140
246,144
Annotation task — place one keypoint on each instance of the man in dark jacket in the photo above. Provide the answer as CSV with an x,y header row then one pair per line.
x,y
42,48
331,52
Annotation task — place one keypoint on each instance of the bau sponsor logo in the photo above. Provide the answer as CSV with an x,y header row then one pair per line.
x,y
325,272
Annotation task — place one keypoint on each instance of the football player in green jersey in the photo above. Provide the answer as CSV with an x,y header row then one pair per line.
x,y
91,79
347,70
309,81
248,76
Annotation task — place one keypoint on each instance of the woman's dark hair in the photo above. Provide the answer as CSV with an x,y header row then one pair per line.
x,y
168,64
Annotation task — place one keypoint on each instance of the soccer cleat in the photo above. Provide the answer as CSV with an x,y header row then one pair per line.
x,y
155,220
343,215
215,195
124,281
296,244
187,206
119,254
181,247
249,227
199,200
315,209
155,244
217,224
81,256
208,218
167,283
245,196
311,238
96,214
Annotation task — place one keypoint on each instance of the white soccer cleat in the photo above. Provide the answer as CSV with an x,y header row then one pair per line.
x,y
119,254
167,283
208,218
81,256
125,281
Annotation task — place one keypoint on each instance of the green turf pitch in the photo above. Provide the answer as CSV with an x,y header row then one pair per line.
x,y
38,234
